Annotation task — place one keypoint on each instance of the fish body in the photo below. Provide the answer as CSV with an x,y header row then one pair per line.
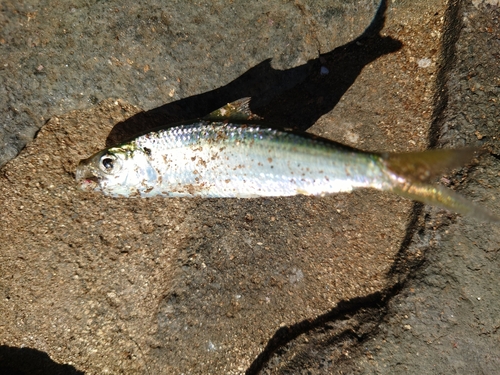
x,y
218,160
223,156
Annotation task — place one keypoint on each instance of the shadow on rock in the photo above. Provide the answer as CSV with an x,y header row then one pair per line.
x,y
330,331
294,99
342,312
26,361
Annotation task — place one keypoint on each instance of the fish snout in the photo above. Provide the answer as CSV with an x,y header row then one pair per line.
x,y
86,179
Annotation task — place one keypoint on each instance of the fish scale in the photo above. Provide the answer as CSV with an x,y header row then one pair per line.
x,y
227,160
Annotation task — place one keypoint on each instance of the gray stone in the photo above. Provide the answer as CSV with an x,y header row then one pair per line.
x,y
352,283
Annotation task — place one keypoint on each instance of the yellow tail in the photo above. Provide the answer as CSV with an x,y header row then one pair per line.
x,y
412,171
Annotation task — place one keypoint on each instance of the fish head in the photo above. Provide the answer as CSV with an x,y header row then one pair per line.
x,y
117,171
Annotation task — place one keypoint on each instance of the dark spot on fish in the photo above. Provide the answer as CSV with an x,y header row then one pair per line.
x,y
191,189
134,194
147,151
270,160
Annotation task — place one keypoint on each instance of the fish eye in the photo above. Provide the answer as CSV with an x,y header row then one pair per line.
x,y
107,163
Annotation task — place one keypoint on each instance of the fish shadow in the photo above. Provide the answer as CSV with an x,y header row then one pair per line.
x,y
24,361
293,99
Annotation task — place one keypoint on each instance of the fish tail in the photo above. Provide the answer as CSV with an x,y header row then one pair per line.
x,y
411,171
444,198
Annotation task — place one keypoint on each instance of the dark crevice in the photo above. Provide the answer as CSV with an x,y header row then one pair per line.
x,y
451,33
401,266
342,341
496,156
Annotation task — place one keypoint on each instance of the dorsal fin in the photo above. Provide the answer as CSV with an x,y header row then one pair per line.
x,y
238,110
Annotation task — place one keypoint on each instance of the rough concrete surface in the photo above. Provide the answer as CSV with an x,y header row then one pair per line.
x,y
364,282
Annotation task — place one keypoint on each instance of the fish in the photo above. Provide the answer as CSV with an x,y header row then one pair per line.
x,y
231,154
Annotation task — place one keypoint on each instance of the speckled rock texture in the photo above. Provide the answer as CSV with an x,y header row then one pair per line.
x,y
58,56
351,283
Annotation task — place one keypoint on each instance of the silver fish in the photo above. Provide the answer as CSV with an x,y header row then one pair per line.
x,y
212,158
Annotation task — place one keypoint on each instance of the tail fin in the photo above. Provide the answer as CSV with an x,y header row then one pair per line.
x,y
411,172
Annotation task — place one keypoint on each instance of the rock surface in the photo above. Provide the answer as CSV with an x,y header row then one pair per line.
x,y
446,319
364,282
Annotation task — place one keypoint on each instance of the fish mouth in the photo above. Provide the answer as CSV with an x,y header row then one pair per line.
x,y
88,183
85,178
92,179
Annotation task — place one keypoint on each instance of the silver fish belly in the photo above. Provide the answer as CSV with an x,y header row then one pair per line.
x,y
215,159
